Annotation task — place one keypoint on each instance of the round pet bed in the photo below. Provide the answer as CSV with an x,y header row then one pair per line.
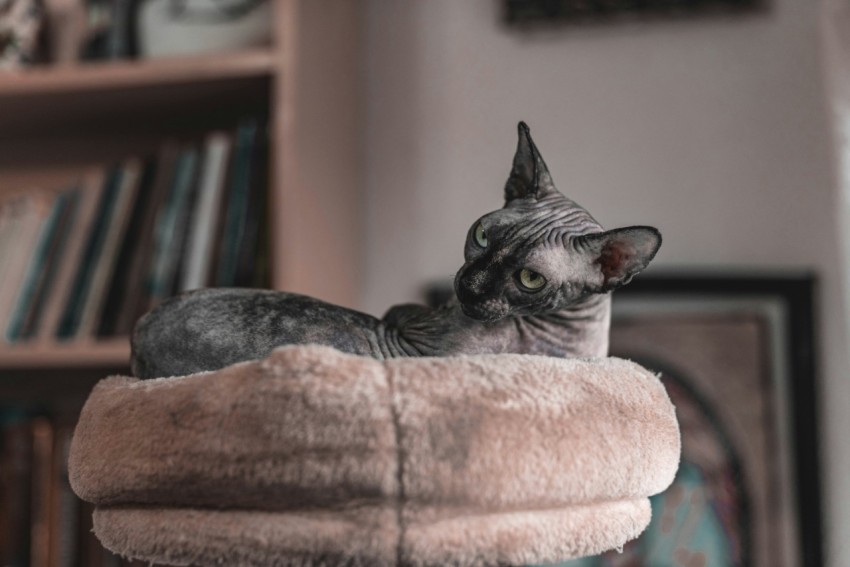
x,y
315,457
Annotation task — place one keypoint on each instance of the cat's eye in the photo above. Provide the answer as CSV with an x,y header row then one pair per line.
x,y
480,236
530,281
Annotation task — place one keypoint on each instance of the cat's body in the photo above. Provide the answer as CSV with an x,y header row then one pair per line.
x,y
536,280
224,326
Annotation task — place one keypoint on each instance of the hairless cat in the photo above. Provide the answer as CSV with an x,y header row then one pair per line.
x,y
537,280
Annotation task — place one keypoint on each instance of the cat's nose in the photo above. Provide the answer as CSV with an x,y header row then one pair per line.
x,y
464,294
469,288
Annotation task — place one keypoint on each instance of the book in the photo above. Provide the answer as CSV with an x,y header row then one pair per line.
x,y
255,212
58,240
221,220
137,296
34,210
16,453
73,311
120,285
37,268
180,245
42,468
34,261
9,223
199,257
169,230
11,270
262,262
91,190
116,226
64,504
237,204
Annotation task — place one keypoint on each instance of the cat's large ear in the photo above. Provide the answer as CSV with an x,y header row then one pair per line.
x,y
620,254
529,175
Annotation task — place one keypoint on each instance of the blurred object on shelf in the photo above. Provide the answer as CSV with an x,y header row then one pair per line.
x,y
67,29
20,26
66,32
90,30
184,27
111,29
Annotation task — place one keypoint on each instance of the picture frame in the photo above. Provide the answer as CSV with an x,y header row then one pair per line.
x,y
765,325
526,13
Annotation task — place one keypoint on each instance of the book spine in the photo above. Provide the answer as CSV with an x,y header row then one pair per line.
x,y
58,244
81,226
41,484
211,187
237,204
168,230
8,234
33,216
249,245
16,453
112,237
120,286
35,269
70,322
64,503
137,296
185,220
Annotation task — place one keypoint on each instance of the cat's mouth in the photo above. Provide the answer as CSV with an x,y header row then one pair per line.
x,y
481,313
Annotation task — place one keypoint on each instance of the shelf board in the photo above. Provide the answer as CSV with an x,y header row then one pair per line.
x,y
112,353
157,98
136,73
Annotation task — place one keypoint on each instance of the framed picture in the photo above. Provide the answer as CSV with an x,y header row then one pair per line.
x,y
530,12
737,357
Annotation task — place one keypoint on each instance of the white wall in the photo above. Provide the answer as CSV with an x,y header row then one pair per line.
x,y
715,131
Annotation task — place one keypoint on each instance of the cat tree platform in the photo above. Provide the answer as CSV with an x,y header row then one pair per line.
x,y
315,457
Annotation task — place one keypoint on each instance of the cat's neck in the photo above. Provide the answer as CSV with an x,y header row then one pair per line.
x,y
580,330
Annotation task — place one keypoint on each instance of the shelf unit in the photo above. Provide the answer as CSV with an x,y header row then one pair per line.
x,y
58,122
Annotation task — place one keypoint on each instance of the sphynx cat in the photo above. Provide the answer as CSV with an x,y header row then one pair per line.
x,y
536,280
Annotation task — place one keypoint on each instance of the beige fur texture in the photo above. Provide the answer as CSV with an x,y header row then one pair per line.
x,y
315,457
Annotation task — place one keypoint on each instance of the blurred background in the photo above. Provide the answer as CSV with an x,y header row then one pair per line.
x,y
342,148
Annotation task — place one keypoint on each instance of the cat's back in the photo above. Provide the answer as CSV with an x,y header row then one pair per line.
x,y
209,329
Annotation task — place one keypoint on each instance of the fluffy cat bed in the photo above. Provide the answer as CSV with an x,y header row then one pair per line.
x,y
315,457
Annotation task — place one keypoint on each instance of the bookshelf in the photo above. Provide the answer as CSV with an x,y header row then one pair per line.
x,y
58,122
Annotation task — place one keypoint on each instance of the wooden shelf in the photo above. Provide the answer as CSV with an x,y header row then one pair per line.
x,y
110,100
136,73
78,354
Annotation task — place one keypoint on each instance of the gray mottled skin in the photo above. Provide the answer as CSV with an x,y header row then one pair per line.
x,y
538,229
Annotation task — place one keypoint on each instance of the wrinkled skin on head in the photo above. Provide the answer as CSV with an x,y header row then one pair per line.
x,y
545,234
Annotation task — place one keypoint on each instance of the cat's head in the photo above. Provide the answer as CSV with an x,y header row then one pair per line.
x,y
542,252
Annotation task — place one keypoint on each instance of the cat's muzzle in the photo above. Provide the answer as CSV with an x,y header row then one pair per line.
x,y
488,311
476,304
